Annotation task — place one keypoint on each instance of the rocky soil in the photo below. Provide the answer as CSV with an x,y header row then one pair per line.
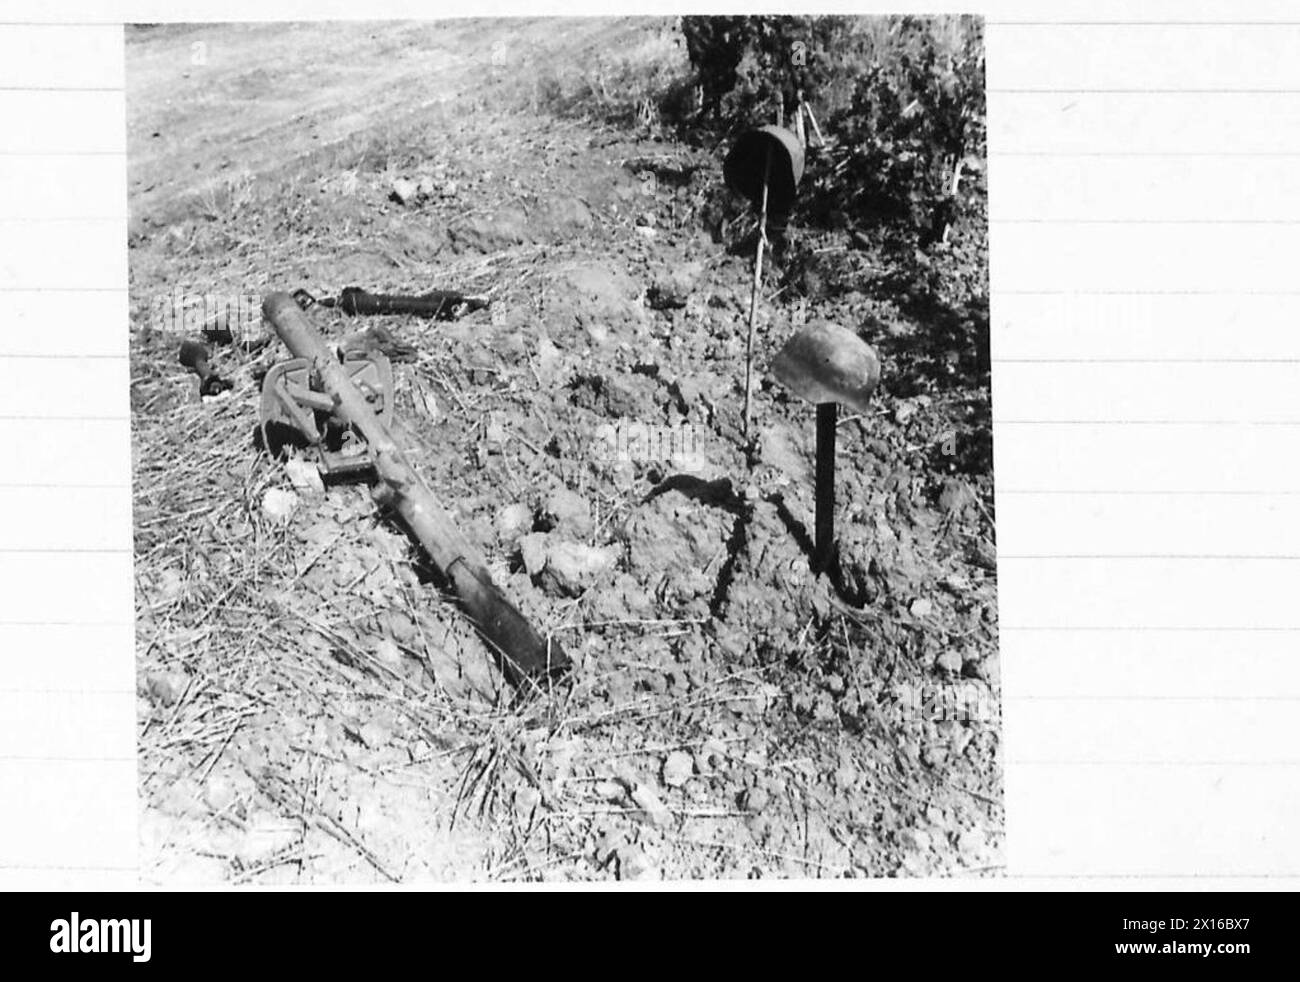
x,y
312,709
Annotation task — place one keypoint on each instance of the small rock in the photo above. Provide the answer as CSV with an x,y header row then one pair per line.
x,y
387,653
400,626
673,289
370,815
218,793
915,839
921,607
652,807
957,583
971,842
279,504
167,688
949,661
677,769
572,567
304,476
983,555
756,799
634,864
569,511
934,755
956,496
560,212
374,734
846,777
526,800
532,548
403,191
513,520
597,333
607,846
495,432
548,360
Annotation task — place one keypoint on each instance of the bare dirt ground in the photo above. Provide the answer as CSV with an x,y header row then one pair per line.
x,y
313,710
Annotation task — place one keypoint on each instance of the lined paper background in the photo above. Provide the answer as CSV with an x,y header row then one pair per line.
x,y
1145,198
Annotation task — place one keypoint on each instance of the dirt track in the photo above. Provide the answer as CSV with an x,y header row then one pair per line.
x,y
311,711
263,99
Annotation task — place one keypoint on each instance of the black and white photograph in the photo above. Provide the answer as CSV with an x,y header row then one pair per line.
x,y
562,451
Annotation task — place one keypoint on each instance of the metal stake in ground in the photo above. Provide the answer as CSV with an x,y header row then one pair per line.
x,y
523,655
757,290
764,166
827,365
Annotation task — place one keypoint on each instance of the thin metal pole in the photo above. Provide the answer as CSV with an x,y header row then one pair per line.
x,y
757,290
824,545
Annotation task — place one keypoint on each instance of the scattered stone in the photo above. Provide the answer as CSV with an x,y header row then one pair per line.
x,y
904,411
403,191
956,496
532,548
572,568
508,227
653,810
218,793
755,800
634,864
678,768
956,584
527,799
549,361
513,520
607,846
971,842
374,734
846,777
982,554
279,504
167,688
673,289
387,653
917,840
560,214
949,661
596,298
934,755
921,607
597,333
569,511
304,476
